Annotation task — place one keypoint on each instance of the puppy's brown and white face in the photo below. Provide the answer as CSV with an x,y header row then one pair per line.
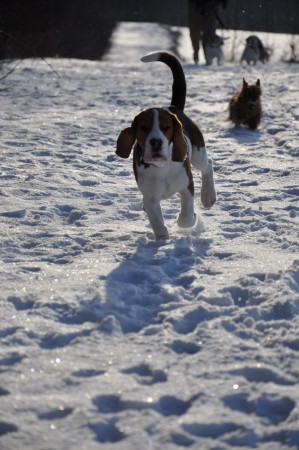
x,y
158,133
154,134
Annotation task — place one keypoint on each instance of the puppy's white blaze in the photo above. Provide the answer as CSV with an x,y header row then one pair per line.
x,y
156,133
150,57
156,120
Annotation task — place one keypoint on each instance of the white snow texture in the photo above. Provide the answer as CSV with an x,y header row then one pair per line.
x,y
110,339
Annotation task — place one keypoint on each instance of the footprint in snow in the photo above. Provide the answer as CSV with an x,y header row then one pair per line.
x,y
210,430
188,322
6,427
263,375
18,214
55,414
274,408
181,347
11,359
70,214
107,432
243,297
87,373
21,304
146,375
3,392
167,405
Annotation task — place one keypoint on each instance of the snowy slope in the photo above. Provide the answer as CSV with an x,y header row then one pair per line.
x,y
110,339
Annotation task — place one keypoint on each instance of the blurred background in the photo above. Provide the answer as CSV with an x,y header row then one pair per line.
x,y
83,28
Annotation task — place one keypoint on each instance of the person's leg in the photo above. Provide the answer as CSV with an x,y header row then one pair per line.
x,y
195,28
209,23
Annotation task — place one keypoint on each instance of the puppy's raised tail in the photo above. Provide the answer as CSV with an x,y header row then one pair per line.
x,y
179,81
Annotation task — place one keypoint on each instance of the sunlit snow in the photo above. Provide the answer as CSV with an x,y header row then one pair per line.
x,y
109,339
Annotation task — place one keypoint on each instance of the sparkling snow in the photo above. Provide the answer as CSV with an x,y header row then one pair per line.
x,y
110,339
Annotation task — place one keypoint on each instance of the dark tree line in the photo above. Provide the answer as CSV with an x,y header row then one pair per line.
x,y
65,28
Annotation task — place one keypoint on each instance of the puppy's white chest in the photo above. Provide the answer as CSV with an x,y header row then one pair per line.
x,y
162,182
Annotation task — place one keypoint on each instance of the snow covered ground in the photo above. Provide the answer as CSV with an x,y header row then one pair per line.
x,y
110,339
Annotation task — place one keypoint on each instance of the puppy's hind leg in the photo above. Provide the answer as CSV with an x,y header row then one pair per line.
x,y
200,161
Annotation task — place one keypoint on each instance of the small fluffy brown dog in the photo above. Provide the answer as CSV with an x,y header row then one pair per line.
x,y
245,108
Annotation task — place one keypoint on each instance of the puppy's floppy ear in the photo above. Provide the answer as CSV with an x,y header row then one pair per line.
x,y
179,149
125,141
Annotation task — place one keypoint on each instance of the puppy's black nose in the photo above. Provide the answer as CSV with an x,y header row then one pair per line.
x,y
156,144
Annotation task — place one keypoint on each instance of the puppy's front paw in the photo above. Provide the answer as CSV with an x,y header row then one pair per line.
x,y
208,191
208,198
186,222
162,236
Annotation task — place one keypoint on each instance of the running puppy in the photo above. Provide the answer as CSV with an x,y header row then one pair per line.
x,y
165,142
245,108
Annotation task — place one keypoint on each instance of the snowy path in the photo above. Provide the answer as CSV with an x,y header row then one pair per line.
x,y
110,339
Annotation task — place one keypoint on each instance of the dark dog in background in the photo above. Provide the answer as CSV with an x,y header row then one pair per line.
x,y
254,51
245,107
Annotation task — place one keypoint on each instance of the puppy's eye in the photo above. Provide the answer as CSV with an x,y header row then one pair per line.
x,y
165,128
144,128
